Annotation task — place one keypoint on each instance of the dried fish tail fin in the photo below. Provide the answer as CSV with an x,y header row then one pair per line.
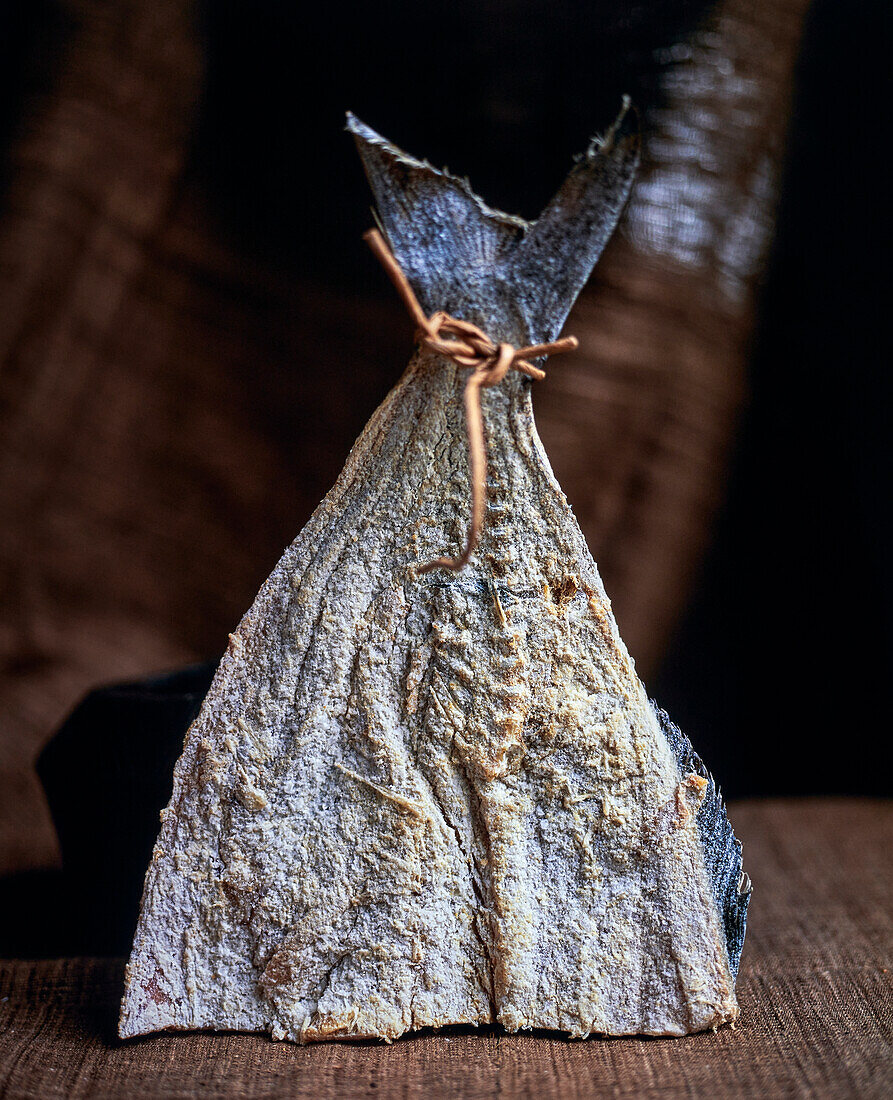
x,y
556,257
516,278
445,238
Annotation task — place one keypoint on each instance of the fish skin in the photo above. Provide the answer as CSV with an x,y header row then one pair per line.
x,y
421,800
722,850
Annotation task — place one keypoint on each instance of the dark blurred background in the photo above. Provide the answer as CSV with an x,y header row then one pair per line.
x,y
192,334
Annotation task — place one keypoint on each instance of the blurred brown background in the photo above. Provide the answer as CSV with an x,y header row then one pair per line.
x,y
192,335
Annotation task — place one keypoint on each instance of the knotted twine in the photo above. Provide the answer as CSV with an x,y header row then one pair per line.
x,y
469,347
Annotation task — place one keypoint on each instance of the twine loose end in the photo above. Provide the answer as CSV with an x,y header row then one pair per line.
x,y
468,347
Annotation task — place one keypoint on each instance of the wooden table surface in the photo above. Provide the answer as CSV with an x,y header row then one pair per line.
x,y
816,992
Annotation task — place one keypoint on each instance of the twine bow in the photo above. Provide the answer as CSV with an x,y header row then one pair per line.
x,y
469,347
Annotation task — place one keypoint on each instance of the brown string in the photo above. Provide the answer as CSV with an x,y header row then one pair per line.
x,y
489,363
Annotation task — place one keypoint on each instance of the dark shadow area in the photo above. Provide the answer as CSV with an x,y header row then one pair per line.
x,y
97,1014
440,79
107,774
33,31
782,668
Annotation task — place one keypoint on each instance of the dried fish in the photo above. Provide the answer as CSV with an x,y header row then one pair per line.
x,y
419,799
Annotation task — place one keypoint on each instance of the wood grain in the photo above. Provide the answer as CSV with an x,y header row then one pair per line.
x,y
816,994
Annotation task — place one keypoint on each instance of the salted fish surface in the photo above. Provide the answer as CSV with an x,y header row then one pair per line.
x,y
422,800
